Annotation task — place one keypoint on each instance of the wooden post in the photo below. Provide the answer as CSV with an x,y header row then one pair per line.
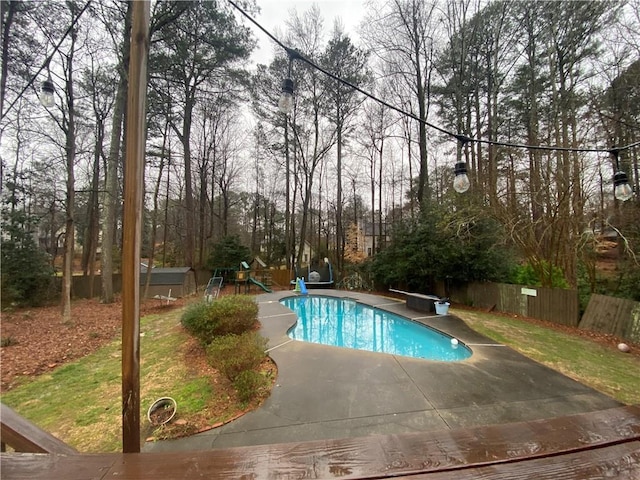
x,y
132,227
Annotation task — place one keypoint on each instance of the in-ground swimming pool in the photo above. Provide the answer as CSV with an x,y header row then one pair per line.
x,y
343,322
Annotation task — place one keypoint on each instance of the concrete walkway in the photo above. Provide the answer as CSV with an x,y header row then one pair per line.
x,y
325,392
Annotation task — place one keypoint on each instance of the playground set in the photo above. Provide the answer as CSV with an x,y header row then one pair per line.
x,y
243,278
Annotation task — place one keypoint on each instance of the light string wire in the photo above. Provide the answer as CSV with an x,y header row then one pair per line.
x,y
295,55
47,60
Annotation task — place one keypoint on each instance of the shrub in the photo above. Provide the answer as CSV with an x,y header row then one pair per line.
x,y
234,314
462,245
248,384
528,274
234,354
27,277
198,322
228,315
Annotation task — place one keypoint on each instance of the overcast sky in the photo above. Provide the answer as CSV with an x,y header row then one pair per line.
x,y
274,13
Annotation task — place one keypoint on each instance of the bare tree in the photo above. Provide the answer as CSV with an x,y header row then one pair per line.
x,y
111,203
375,131
403,35
343,59
312,138
99,85
195,48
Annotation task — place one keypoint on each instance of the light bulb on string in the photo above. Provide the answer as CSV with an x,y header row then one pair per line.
x,y
621,188
461,181
285,103
47,92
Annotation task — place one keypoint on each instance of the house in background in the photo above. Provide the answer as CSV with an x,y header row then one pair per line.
x,y
307,253
370,235
173,282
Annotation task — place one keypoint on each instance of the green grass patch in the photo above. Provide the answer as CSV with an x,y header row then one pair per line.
x,y
80,402
599,366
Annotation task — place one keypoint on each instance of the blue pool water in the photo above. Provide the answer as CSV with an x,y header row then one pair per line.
x,y
345,323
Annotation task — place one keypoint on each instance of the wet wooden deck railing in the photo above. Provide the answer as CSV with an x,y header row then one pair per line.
x,y
23,436
603,444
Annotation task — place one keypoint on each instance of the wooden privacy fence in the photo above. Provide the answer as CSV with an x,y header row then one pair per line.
x,y
81,287
617,316
551,304
281,277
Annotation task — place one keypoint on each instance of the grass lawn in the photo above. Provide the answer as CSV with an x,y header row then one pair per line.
x,y
602,367
80,402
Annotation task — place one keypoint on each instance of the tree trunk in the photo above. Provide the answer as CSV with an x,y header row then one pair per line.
x,y
372,173
380,154
70,151
340,240
111,175
185,138
9,8
287,193
154,215
93,212
423,174
202,208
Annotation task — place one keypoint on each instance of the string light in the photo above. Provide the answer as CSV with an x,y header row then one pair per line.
x,y
622,189
285,103
46,93
461,180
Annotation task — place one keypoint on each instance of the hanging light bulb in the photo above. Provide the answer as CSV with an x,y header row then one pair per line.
x,y
46,93
461,181
622,190
285,104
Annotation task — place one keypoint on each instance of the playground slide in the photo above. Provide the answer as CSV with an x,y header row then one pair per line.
x,y
303,287
262,286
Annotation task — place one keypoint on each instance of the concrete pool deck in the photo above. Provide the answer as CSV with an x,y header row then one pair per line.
x,y
325,392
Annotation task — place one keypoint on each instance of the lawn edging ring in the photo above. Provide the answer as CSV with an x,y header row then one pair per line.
x,y
162,411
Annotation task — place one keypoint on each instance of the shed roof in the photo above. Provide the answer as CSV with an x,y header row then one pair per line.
x,y
165,276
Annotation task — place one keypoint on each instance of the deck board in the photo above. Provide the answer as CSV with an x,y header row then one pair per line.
x,y
620,461
572,447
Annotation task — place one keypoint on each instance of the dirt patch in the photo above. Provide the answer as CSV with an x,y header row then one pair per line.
x,y
39,340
